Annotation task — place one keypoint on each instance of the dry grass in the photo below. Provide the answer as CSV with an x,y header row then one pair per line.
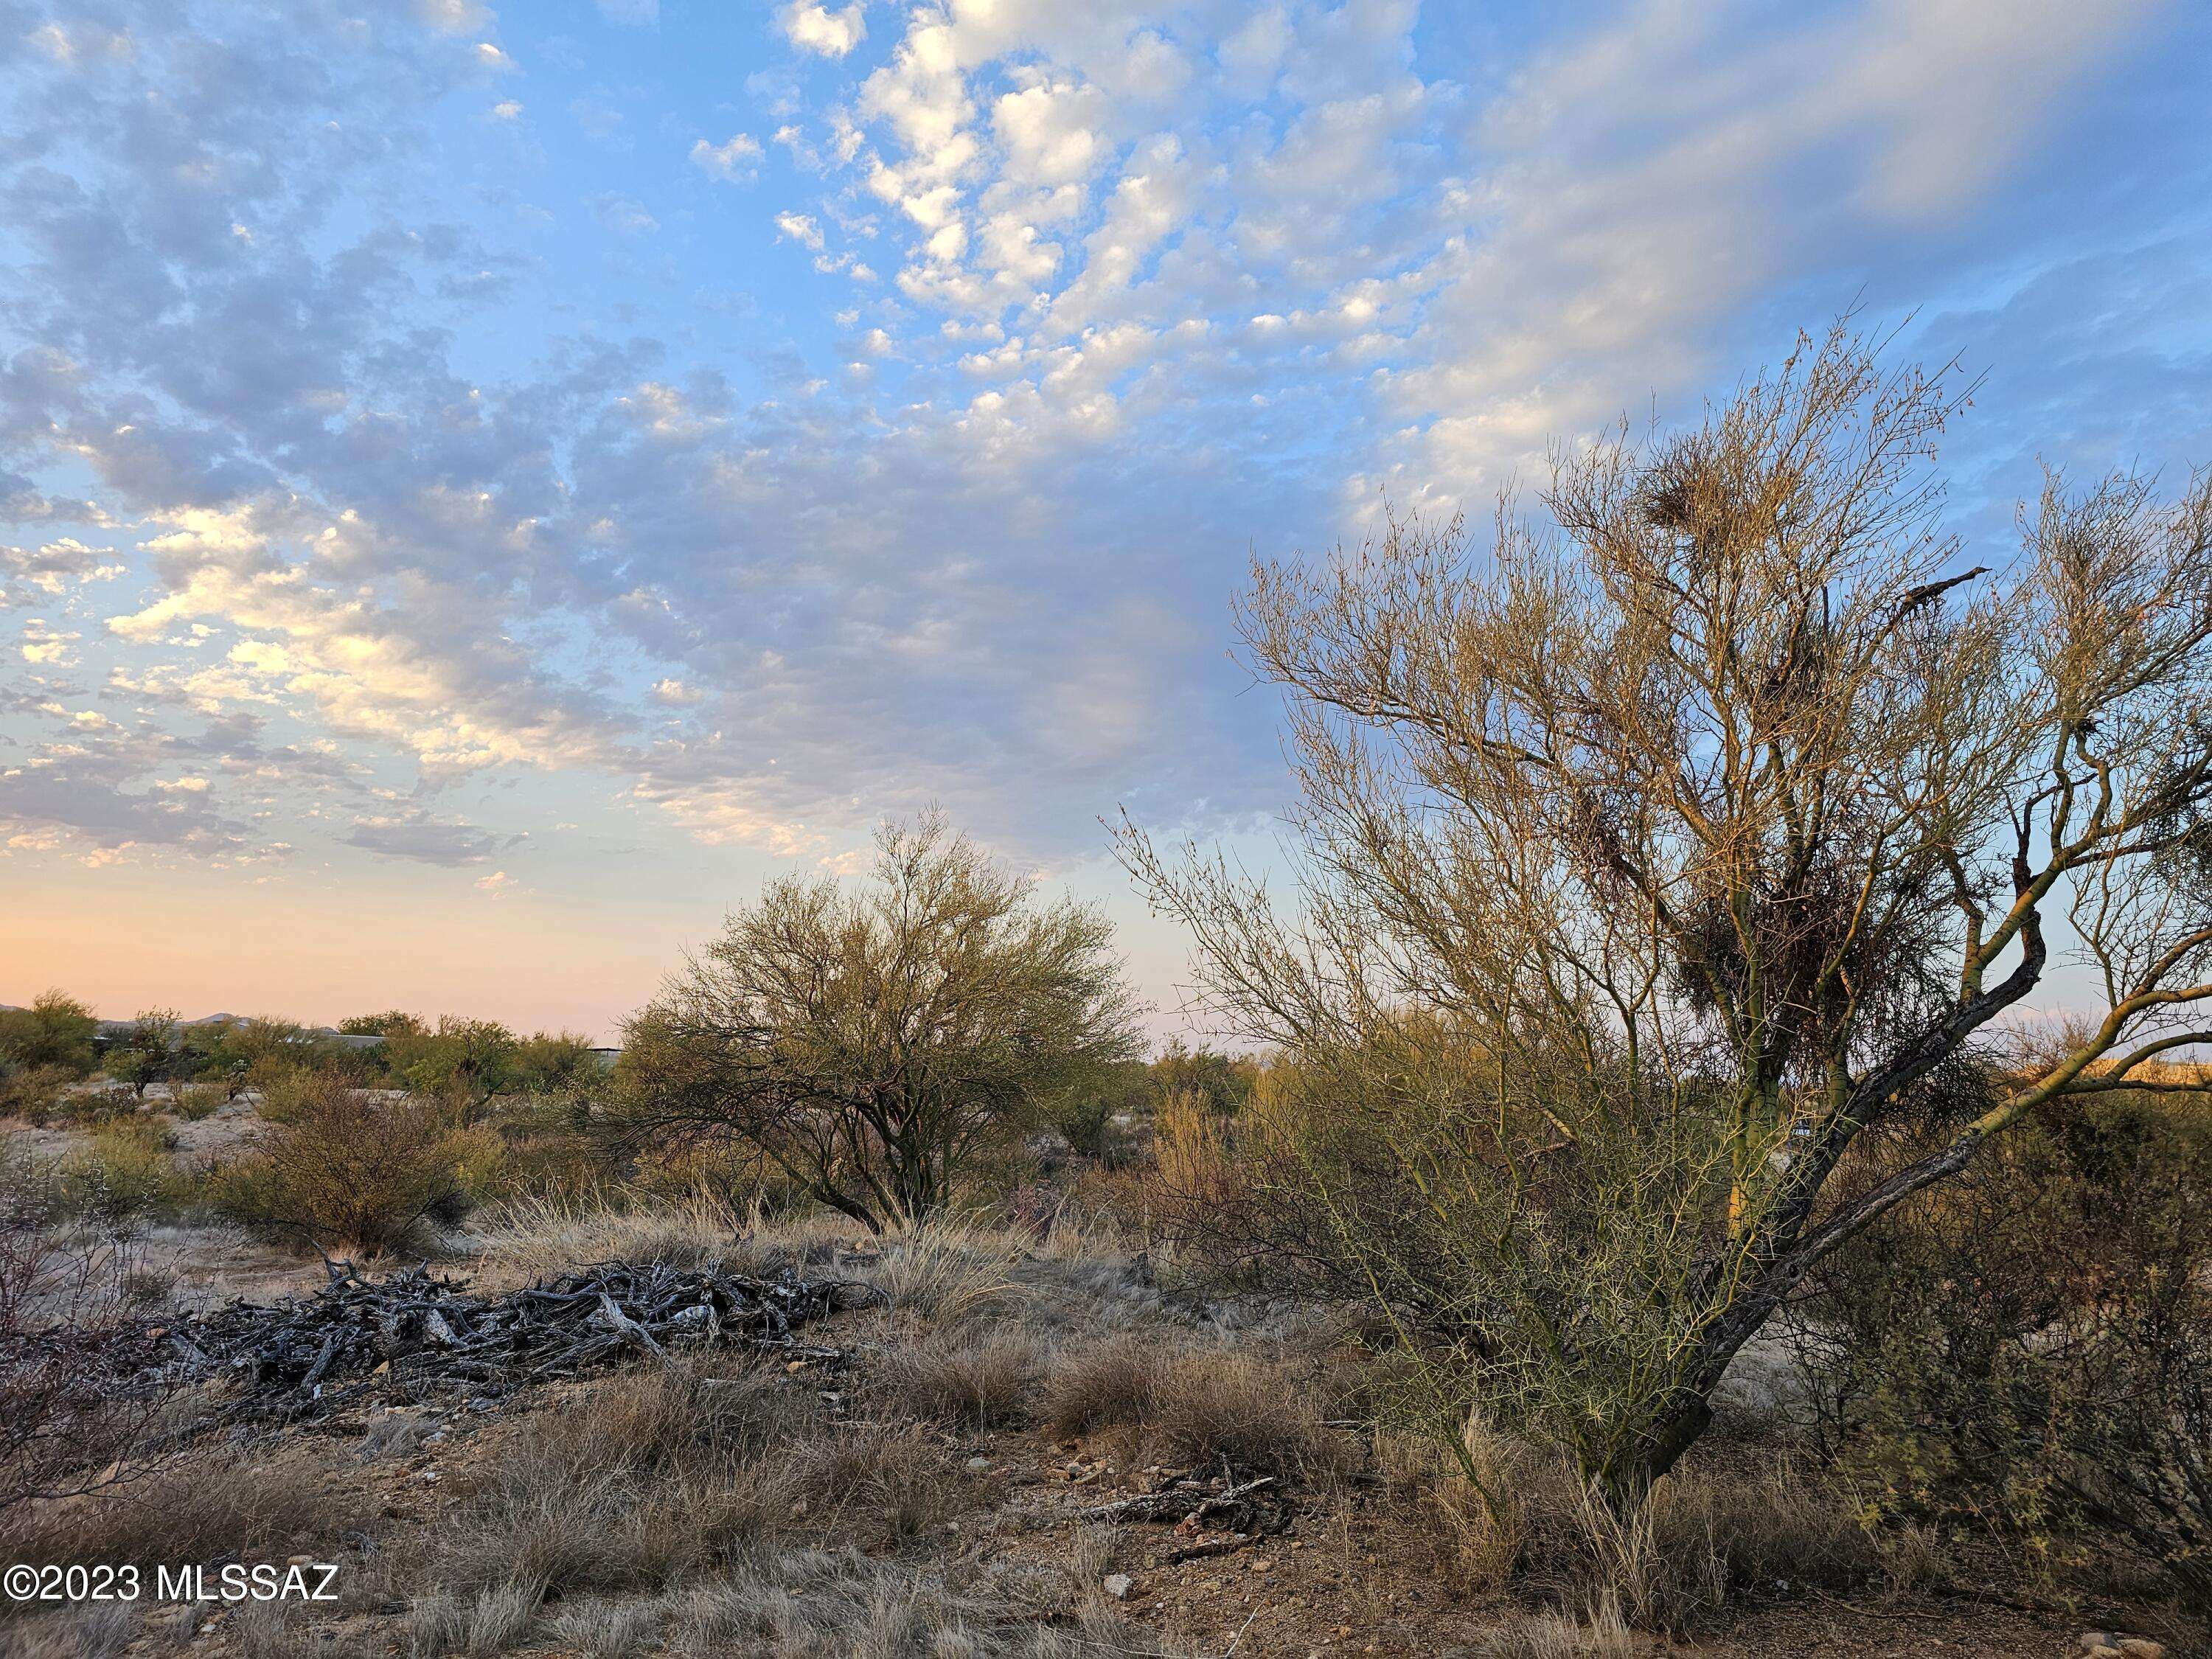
x,y
944,1272
1477,1528
1203,1407
193,1511
879,1486
525,1240
1113,1385
1707,1534
843,1605
1603,1635
961,1381
633,1484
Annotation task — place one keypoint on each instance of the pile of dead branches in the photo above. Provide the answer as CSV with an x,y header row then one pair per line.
x,y
401,1339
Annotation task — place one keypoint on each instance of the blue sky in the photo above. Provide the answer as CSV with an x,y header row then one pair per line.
x,y
483,487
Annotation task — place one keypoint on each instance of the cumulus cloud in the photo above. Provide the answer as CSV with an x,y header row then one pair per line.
x,y
799,228
735,160
817,28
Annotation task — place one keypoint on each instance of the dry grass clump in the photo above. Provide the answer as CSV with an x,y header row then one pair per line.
x,y
1208,1406
686,1418
87,1629
1705,1537
247,1501
962,1382
879,1486
608,1630
1477,1521
1229,1407
1113,1385
487,1622
1604,1634
529,1239
635,1484
944,1272
1708,1534
126,1171
843,1605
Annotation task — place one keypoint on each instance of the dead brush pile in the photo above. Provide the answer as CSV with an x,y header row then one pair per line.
x,y
399,1340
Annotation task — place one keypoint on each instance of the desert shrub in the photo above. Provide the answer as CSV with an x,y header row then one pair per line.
x,y
353,1166
196,1100
561,1064
2034,1346
126,1172
1651,858
74,1404
879,1046
462,1062
56,1033
962,1380
36,1094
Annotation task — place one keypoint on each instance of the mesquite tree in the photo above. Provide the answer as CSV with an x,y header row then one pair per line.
x,y
1657,866
869,1044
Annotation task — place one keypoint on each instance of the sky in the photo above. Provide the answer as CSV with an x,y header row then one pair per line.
x,y
483,488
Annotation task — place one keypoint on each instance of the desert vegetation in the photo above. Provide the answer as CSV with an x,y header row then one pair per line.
x,y
1648,1198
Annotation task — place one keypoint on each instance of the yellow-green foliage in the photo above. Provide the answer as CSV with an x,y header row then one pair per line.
x,y
128,1169
36,1094
348,1165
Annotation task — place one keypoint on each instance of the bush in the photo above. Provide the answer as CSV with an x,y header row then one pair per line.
x,y
74,1402
125,1173
36,1094
2035,1345
56,1033
353,1166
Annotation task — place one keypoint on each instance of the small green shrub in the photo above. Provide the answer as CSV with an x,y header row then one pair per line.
x,y
127,1171
347,1165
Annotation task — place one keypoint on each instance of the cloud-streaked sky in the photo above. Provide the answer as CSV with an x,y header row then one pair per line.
x,y
481,487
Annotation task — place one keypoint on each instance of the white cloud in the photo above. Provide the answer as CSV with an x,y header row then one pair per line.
x,y
814,27
736,158
506,109
798,227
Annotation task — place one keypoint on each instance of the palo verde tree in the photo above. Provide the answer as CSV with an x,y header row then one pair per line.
x,y
1658,867
869,1044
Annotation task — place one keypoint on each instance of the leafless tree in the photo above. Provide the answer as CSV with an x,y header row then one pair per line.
x,y
870,1045
1712,824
